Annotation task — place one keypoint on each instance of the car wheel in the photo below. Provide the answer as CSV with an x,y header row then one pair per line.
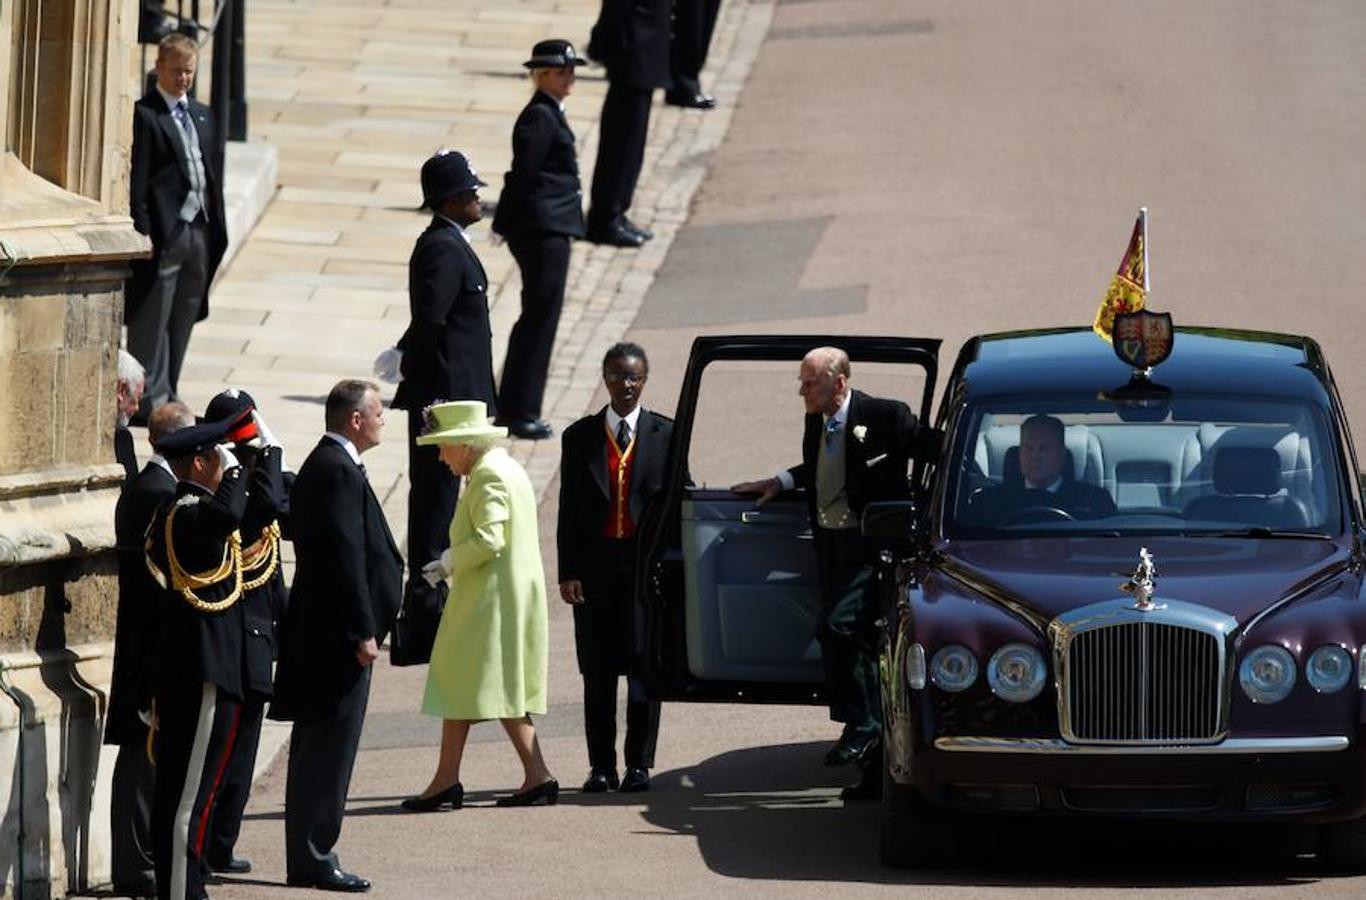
x,y
1343,845
915,835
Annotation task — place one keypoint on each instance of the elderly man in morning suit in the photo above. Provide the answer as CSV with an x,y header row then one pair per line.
x,y
856,449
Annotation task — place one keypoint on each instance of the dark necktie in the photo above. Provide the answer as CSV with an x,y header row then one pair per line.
x,y
182,116
623,435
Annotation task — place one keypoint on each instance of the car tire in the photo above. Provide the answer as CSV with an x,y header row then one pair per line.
x,y
1343,845
914,834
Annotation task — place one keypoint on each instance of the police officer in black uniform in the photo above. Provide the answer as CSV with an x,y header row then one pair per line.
x,y
447,355
540,209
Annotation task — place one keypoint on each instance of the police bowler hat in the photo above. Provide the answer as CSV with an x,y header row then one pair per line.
x,y
553,54
446,174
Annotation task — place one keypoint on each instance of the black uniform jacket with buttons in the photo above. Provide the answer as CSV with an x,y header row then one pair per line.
x,y
159,181
196,645
880,439
541,192
448,347
263,606
602,630
347,583
631,38
135,637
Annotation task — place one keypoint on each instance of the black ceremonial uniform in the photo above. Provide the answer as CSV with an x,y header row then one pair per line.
x,y
447,355
540,209
198,671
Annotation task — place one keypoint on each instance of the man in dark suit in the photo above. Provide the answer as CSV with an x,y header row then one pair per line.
x,y
540,209
135,636
694,22
176,199
447,355
345,595
198,667
128,394
631,38
856,449
611,464
1047,488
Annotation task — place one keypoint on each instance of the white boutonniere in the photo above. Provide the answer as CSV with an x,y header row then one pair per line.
x,y
860,433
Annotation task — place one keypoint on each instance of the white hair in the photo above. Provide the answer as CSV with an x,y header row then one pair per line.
x,y
130,370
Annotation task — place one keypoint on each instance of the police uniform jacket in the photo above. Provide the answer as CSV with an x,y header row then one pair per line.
x,y
541,192
602,624
135,634
160,181
347,583
448,347
263,605
877,464
196,645
631,38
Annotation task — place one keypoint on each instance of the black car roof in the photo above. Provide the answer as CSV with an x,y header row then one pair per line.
x,y
1215,360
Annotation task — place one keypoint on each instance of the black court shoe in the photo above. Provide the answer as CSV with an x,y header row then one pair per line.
x,y
454,795
547,790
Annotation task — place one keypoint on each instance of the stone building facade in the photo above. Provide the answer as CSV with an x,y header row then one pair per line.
x,y
68,81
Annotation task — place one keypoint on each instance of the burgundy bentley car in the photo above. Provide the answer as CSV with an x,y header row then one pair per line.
x,y
1187,643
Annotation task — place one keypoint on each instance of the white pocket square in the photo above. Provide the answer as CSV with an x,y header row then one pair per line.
x,y
875,460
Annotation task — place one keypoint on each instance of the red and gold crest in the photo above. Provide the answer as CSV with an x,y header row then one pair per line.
x,y
1143,339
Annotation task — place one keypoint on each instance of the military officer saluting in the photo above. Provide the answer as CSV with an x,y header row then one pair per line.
x,y
194,551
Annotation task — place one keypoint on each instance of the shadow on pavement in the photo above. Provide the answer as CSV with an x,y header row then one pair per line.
x,y
775,813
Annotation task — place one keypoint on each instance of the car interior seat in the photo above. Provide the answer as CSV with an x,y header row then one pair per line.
x,y
1248,491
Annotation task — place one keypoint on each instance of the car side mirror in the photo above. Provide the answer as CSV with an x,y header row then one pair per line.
x,y
889,521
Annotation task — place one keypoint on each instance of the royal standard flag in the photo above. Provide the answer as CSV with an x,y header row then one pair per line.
x,y
1129,288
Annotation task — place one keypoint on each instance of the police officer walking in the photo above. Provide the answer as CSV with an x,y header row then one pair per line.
x,y
540,209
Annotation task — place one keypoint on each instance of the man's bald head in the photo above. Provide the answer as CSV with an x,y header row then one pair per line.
x,y
167,419
824,380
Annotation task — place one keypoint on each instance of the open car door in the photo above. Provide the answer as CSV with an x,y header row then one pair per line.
x,y
727,597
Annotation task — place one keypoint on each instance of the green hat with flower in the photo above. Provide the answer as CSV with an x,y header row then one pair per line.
x,y
458,422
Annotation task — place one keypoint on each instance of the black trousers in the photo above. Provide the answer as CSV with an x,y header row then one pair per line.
x,y
847,631
322,754
694,22
544,262
600,722
130,816
194,745
159,331
622,130
432,492
236,787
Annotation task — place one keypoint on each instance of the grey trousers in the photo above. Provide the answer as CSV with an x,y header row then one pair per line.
x,y
159,331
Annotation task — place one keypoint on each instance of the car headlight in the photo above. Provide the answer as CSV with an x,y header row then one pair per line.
x,y
1329,669
953,668
1016,673
1267,674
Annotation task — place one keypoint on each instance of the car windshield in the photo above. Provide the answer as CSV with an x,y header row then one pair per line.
x,y
1080,464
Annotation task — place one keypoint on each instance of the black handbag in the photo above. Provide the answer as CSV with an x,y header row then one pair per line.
x,y
410,643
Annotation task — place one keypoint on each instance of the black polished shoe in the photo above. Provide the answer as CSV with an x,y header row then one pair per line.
x,y
453,795
696,100
645,233
853,747
331,880
600,781
231,866
549,791
527,429
635,780
616,236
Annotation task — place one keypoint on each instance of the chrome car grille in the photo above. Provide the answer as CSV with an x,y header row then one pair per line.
x,y
1143,681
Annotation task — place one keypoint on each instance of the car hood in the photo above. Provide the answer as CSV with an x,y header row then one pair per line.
x,y
1049,576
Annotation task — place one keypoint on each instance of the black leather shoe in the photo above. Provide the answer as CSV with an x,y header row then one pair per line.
x,y
453,795
645,233
698,100
230,866
527,429
635,780
853,746
549,791
616,236
332,880
600,781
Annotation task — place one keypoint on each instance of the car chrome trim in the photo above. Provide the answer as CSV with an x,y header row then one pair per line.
x,y
1229,746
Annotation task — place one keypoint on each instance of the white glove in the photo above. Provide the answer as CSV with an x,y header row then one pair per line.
x,y
438,570
388,366
268,438
226,458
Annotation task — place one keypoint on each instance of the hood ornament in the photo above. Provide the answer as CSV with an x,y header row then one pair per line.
x,y
1142,583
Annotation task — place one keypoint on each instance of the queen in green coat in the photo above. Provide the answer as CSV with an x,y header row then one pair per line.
x,y
490,656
